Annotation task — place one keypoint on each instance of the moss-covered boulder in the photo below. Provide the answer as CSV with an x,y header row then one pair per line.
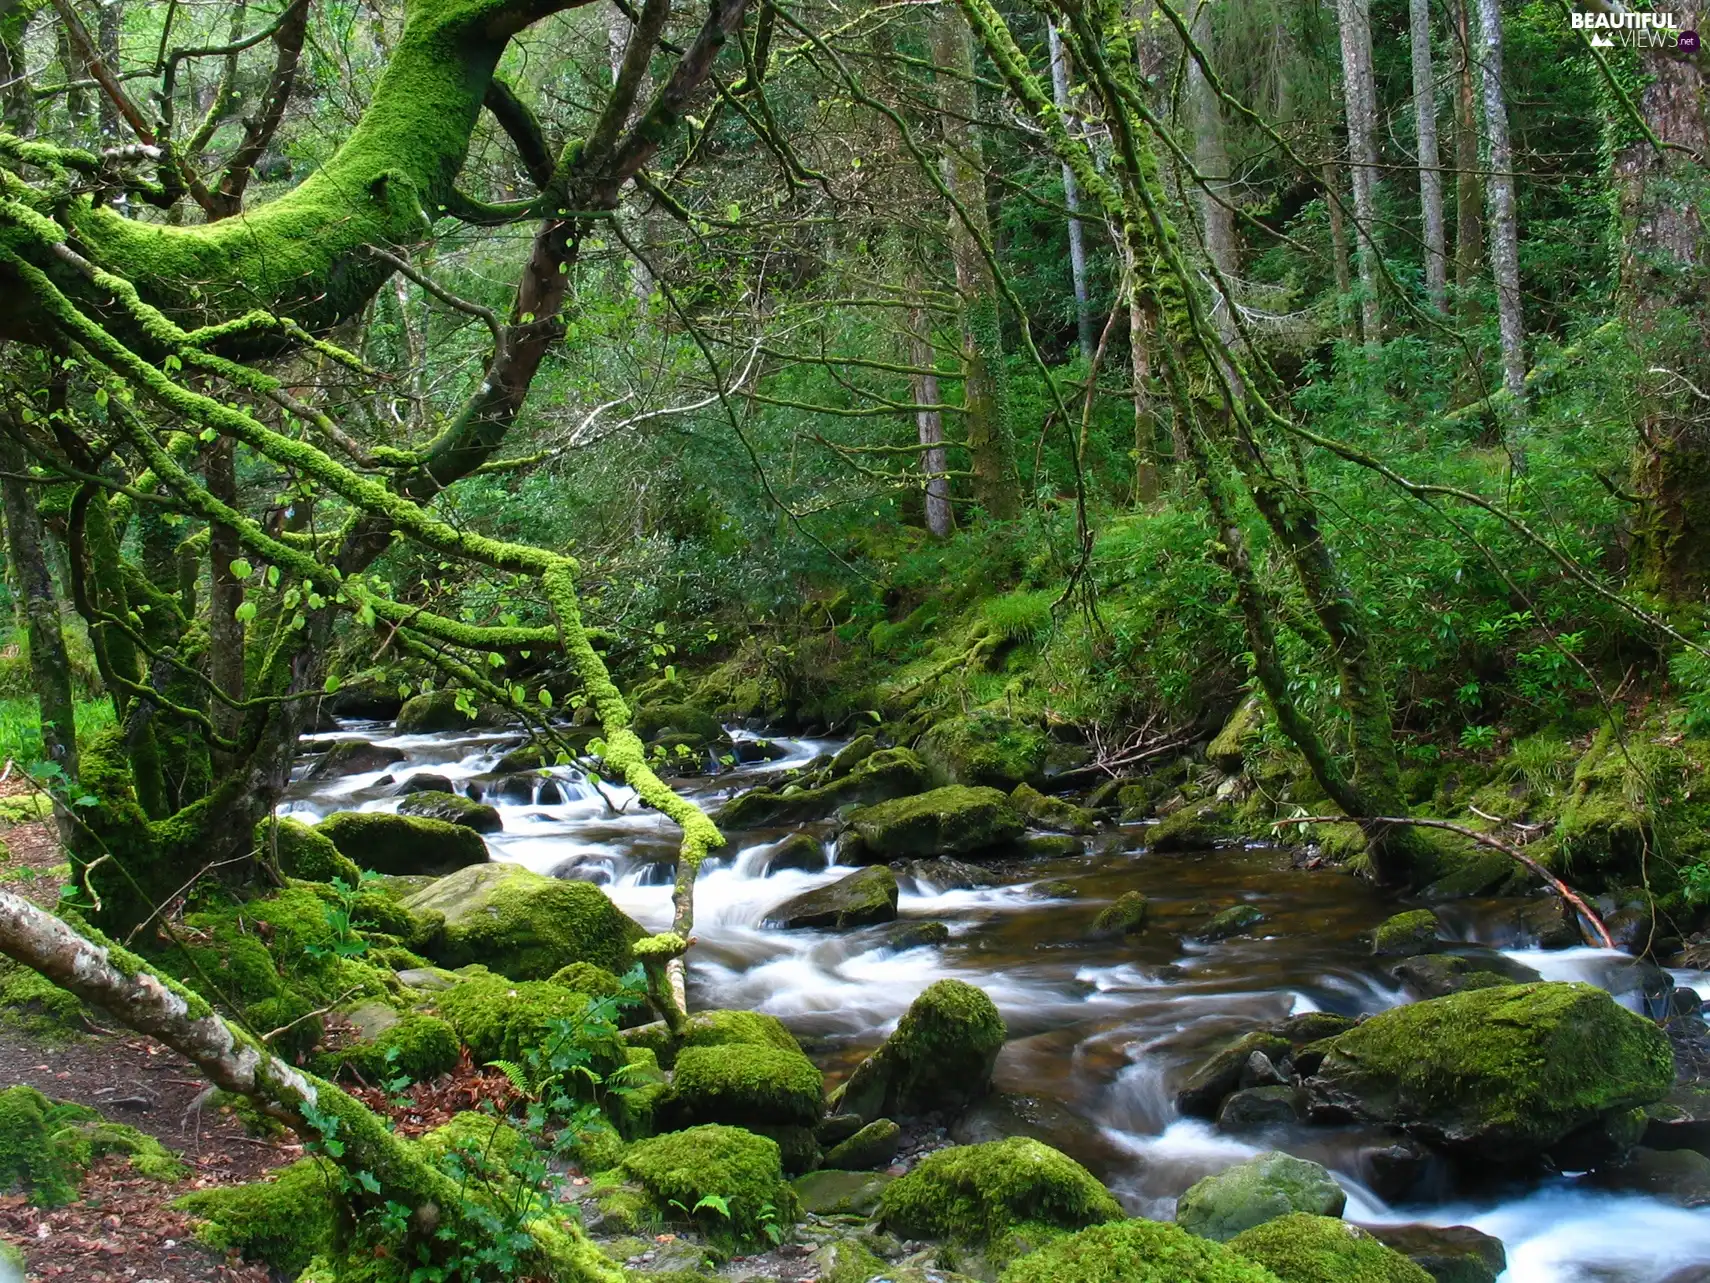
x,y
1504,1073
1258,1190
47,1145
1135,1252
999,1198
954,820
1240,735
353,757
1448,1253
654,721
1125,916
985,749
417,1047
502,1019
31,1002
714,1029
1301,1248
1434,975
678,1170
371,694
746,1085
1203,1091
1406,934
875,1145
1054,813
387,843
1680,1176
1194,826
452,808
285,1221
303,851
939,1058
888,773
522,924
1237,920
438,711
865,897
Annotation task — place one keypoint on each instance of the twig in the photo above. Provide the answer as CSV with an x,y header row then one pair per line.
x,y
1483,839
309,1015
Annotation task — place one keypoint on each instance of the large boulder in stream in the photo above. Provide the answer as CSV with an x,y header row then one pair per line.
x,y
863,898
985,749
1135,1251
887,773
353,757
1502,1074
939,1058
388,843
439,711
453,809
523,925
955,820
1302,1248
1258,1190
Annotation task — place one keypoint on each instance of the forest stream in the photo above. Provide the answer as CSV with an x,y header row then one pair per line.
x,y
1101,1031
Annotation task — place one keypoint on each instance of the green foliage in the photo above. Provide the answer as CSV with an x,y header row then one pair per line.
x,y
679,1170
1300,1248
46,1146
1135,1252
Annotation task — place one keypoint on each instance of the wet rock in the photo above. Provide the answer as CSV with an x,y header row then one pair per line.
x,y
1681,1119
1546,923
1196,826
389,843
652,721
1413,932
523,925
838,1193
864,897
851,755
426,782
1475,874
985,749
955,820
1258,1190
1126,916
438,711
1448,1253
1437,975
899,937
550,793
452,809
1502,1074
1205,1088
370,696
516,789
1259,1071
888,773
1054,889
530,757
1682,1176
1310,1026
1005,1114
875,1145
745,1085
1053,813
939,1058
749,752
1400,1170
1236,921
353,757
798,851
1256,1108
946,874
1051,846
1303,1248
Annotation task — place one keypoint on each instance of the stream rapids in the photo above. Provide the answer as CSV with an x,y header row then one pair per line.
x,y
1101,1031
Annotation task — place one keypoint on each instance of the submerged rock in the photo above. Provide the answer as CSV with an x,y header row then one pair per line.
x,y
1236,921
1304,1248
955,820
900,937
945,874
522,924
388,843
864,897
939,1058
353,757
453,810
1448,1253
1258,1190
1502,1073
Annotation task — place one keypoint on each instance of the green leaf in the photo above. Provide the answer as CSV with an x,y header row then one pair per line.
x,y
245,612
545,698
241,569
331,685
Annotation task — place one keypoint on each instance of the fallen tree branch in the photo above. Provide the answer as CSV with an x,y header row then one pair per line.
x,y
1562,889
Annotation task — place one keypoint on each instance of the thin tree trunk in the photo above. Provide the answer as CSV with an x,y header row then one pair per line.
x,y
1359,99
1072,198
984,393
1339,255
940,520
1504,220
17,102
225,595
1469,191
1430,165
38,604
1145,418
1211,158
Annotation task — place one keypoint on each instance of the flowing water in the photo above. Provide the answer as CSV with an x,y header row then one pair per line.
x,y
1102,1028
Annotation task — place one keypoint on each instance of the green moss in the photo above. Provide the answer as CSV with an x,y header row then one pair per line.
x,y
1020,616
503,1019
939,1058
1406,934
32,1002
1319,1249
305,852
438,711
1195,826
746,1084
975,1195
1261,1189
525,925
1052,813
986,749
388,843
425,1048
1135,1252
715,1029
886,774
11,1258
47,1145
1125,916
285,1221
1240,734
585,977
953,820
679,1169
452,808
474,1143
1512,1068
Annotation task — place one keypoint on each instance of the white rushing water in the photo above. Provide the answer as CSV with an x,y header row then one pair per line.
x,y
1105,1029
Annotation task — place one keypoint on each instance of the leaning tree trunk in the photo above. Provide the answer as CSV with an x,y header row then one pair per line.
x,y
1504,217
1430,166
1359,98
1665,288
984,390
1072,199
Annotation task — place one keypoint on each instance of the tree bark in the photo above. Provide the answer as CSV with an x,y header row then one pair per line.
x,y
984,385
1339,255
225,595
1469,190
1072,198
1359,99
940,520
1504,217
17,101
1211,158
1430,164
